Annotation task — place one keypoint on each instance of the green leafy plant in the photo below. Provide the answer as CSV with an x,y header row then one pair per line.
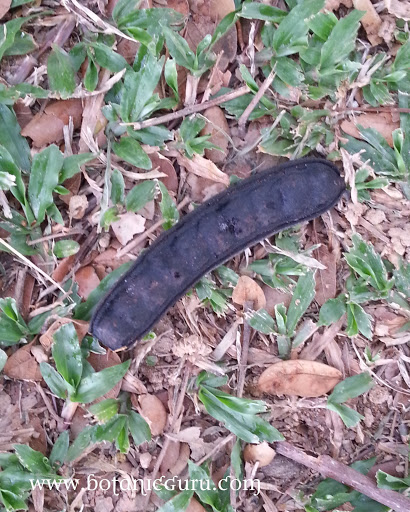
x,y
239,415
117,421
20,470
368,281
286,320
351,387
75,379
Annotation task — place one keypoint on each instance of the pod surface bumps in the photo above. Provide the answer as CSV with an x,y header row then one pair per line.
x,y
245,213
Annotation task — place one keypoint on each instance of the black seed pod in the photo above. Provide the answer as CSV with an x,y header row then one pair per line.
x,y
242,215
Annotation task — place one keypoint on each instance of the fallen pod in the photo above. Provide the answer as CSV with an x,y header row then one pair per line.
x,y
245,213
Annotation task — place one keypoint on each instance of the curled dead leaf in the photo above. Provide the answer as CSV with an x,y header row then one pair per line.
x,y
87,280
382,122
47,126
165,166
154,413
204,168
217,127
261,453
22,365
63,268
80,326
300,378
248,290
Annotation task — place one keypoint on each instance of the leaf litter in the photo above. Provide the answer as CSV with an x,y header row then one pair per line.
x,y
73,80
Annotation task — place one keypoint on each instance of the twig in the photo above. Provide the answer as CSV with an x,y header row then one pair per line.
x,y
247,331
55,235
32,265
177,412
189,110
153,228
331,468
255,100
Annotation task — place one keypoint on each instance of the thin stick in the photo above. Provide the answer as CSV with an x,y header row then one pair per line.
x,y
55,235
247,331
255,100
189,110
176,413
153,228
331,468
32,265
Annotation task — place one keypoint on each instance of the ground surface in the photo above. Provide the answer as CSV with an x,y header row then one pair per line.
x,y
283,81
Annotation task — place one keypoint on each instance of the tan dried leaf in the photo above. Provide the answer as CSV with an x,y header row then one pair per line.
x,y
399,8
87,280
261,453
77,206
154,413
171,456
63,268
22,365
47,127
371,21
300,378
204,168
4,7
248,290
128,225
382,122
217,127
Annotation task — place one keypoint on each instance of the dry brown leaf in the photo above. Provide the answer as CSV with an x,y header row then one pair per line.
x,y
128,50
77,206
217,127
261,453
165,166
195,506
300,378
109,258
273,297
171,456
203,20
382,122
47,127
371,21
4,7
326,278
204,168
192,436
154,413
400,8
80,326
23,113
248,290
182,461
22,365
332,5
128,225
87,280
63,268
